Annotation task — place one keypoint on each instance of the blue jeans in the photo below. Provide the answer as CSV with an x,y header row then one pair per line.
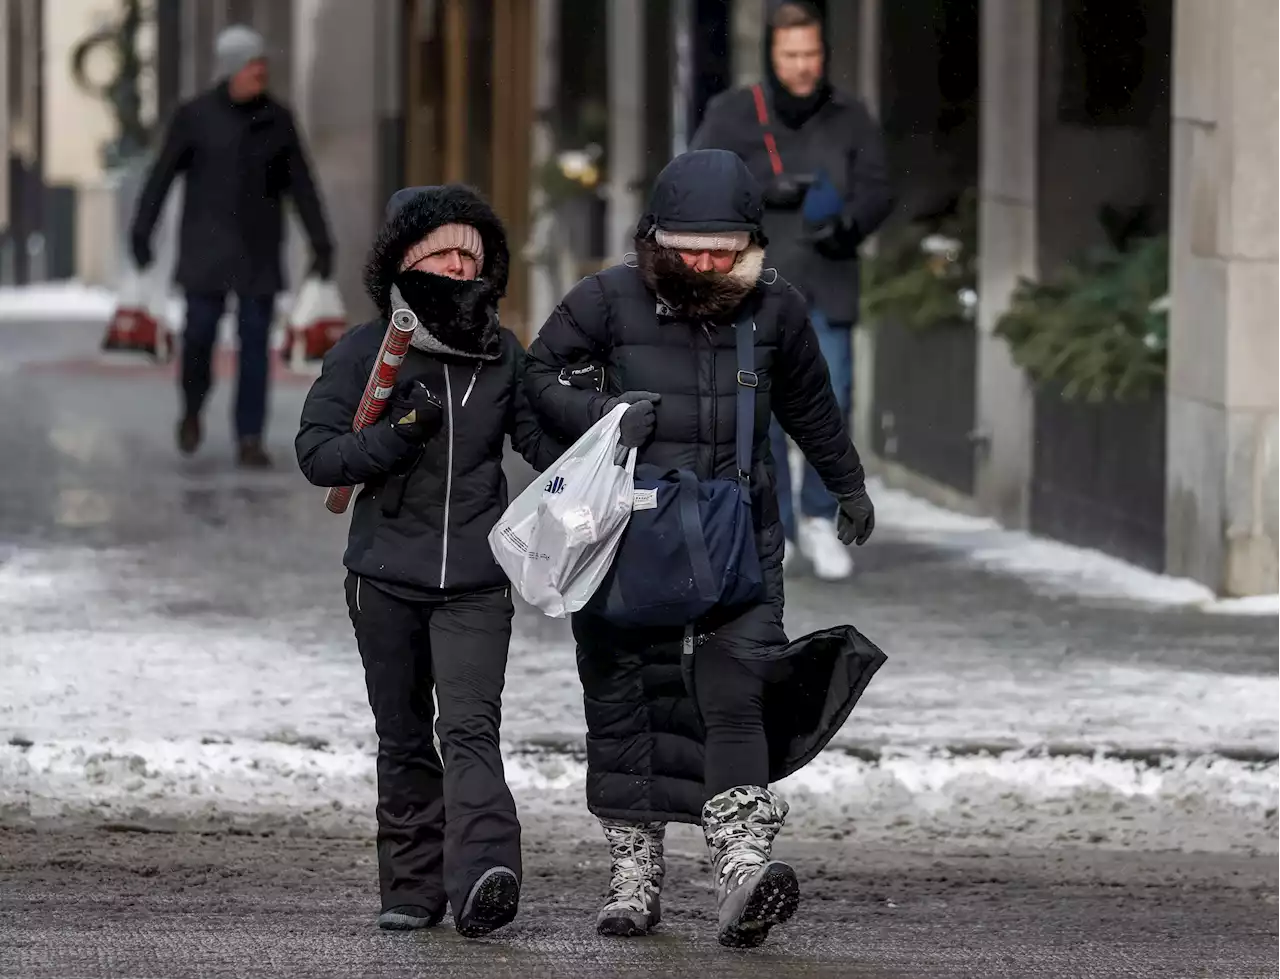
x,y
836,343
198,342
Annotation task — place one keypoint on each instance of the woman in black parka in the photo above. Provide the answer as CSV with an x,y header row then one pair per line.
x,y
703,744
430,606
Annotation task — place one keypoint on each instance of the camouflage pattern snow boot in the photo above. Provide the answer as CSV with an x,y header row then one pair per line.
x,y
753,891
634,904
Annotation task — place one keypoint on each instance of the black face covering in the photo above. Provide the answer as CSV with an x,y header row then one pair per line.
x,y
462,314
792,110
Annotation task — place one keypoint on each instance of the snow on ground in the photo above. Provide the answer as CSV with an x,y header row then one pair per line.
x,y
1050,563
131,702
68,301
1248,605
74,302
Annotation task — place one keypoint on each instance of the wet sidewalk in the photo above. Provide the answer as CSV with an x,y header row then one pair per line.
x,y
174,634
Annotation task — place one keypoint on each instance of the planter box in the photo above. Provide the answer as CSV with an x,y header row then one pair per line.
x,y
925,400
1099,476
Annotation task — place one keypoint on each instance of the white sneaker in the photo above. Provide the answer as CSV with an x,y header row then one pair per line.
x,y
788,554
819,543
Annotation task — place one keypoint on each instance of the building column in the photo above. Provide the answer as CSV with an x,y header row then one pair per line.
x,y
854,37
1222,432
746,41
544,272
338,100
7,272
626,41
1010,52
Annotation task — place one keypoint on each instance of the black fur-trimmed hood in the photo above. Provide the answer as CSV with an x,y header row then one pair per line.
x,y
456,316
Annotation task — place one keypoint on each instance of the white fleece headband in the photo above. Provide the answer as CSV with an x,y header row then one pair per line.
x,y
703,241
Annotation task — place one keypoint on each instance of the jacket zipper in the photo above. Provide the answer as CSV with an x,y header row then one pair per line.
x,y
472,385
448,478
715,402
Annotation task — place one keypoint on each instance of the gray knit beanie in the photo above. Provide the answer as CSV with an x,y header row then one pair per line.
x,y
235,48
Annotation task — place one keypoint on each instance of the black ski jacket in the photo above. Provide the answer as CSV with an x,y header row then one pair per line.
x,y
422,519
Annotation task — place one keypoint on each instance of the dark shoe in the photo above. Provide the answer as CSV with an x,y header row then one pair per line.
x,y
492,903
408,917
252,455
189,434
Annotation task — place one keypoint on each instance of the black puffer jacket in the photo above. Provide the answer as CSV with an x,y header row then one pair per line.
x,y
684,349
453,494
644,741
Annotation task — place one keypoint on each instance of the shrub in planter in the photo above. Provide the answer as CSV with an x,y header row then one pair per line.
x,y
1098,329
925,274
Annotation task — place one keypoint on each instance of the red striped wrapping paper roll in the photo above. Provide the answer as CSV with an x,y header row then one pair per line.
x,y
382,380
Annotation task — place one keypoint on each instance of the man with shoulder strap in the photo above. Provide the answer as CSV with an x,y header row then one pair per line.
x,y
820,157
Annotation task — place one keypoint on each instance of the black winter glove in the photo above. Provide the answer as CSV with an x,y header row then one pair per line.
x,y
857,518
830,239
322,265
823,234
786,192
141,248
639,421
414,412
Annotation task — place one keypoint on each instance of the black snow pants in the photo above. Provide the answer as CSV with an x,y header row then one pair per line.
x,y
439,826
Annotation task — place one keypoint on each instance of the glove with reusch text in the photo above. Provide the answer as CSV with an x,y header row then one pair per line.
x,y
584,377
857,518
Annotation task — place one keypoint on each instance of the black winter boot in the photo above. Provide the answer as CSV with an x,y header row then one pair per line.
x,y
408,917
492,903
189,434
252,455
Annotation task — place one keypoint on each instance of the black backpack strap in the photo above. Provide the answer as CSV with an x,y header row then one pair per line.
x,y
748,381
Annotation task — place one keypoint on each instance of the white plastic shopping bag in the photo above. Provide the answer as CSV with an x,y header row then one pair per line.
x,y
558,538
140,323
316,321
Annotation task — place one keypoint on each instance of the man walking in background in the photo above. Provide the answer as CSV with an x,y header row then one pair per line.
x,y
820,157
241,154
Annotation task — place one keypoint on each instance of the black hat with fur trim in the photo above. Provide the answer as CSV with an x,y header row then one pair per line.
x,y
705,191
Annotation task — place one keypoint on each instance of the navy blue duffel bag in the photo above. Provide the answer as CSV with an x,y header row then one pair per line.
x,y
690,544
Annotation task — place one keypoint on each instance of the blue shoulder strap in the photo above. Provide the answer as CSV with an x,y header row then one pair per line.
x,y
748,381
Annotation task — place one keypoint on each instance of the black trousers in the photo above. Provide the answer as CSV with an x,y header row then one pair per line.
x,y
439,826
730,696
198,342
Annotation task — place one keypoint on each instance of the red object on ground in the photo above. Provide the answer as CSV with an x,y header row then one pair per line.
x,y
382,380
135,329
315,323
312,342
